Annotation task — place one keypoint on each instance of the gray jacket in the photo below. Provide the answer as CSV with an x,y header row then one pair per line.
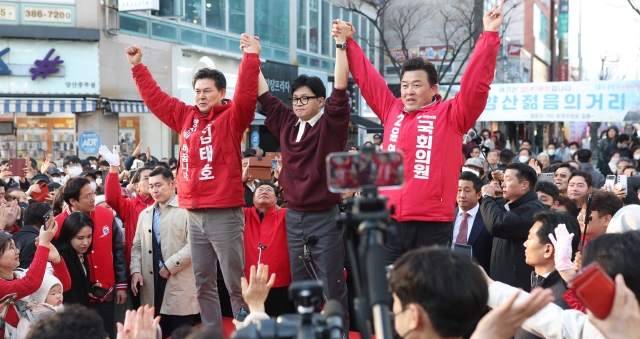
x,y
598,178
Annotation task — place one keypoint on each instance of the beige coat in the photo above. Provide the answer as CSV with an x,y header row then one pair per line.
x,y
180,293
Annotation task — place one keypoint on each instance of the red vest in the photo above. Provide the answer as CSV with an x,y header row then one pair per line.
x,y
272,232
101,257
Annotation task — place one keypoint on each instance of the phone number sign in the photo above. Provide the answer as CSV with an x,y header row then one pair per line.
x,y
614,101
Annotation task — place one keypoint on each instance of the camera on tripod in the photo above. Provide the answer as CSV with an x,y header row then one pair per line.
x,y
366,219
307,323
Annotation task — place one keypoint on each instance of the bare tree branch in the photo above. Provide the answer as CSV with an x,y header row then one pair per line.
x,y
635,6
608,65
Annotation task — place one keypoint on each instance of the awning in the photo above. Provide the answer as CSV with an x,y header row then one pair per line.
x,y
118,106
258,120
369,125
47,106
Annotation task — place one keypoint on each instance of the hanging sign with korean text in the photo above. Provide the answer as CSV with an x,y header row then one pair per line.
x,y
614,101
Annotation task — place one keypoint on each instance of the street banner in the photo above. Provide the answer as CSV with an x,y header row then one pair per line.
x,y
607,101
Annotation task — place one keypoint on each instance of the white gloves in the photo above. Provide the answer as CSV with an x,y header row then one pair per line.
x,y
562,246
112,159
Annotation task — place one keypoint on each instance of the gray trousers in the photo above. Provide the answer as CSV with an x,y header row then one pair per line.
x,y
328,254
217,234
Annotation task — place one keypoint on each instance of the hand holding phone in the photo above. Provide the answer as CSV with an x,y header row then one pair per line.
x,y
97,292
48,219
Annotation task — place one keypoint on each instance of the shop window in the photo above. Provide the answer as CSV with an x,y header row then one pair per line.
x,y
217,42
302,25
134,25
314,62
267,52
164,31
170,9
281,55
190,36
215,14
128,133
193,12
326,65
372,43
327,21
40,137
303,60
234,46
313,26
271,18
237,16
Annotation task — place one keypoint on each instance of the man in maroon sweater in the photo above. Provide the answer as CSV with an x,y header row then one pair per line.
x,y
308,132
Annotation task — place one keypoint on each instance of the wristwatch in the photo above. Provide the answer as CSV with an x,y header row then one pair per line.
x,y
486,194
342,46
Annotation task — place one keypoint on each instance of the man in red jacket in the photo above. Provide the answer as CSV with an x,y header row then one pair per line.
x,y
428,131
265,228
108,267
127,208
210,171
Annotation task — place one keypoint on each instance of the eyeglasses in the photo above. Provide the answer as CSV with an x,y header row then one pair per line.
x,y
301,100
90,195
15,248
376,138
561,175
263,190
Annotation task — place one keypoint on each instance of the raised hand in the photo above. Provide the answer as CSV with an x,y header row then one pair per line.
x,y
562,246
534,164
134,55
250,44
493,18
256,291
139,324
45,165
342,31
112,159
505,320
148,153
46,235
136,151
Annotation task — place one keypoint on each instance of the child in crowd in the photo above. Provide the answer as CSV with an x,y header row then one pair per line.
x,y
46,300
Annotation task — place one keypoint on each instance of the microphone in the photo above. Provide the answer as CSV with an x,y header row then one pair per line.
x,y
333,315
313,240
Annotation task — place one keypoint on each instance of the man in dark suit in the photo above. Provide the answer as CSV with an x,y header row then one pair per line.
x,y
468,227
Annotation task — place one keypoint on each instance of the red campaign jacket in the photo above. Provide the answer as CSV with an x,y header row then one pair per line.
x,y
573,301
127,208
272,233
430,137
101,258
210,169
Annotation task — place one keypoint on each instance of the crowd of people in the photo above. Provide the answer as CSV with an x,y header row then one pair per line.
x,y
189,240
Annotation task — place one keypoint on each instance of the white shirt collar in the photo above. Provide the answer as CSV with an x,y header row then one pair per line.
x,y
311,122
472,212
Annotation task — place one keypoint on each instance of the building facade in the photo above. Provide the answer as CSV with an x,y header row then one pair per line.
x,y
92,89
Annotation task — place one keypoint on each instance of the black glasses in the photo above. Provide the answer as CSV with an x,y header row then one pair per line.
x,y
301,100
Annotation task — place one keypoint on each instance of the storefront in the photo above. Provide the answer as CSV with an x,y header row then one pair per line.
x,y
44,86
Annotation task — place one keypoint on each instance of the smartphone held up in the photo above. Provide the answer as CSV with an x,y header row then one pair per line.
x,y
353,171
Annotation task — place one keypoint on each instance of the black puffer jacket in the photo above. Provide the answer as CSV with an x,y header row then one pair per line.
x,y
510,230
